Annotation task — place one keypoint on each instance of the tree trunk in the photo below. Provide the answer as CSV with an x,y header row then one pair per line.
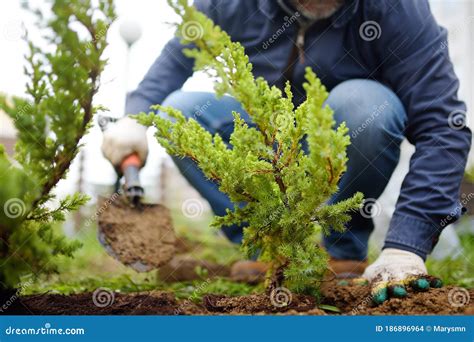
x,y
277,279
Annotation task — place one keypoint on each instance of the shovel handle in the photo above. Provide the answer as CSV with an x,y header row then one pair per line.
x,y
131,160
131,170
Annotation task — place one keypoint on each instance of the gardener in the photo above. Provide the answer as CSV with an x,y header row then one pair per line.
x,y
387,67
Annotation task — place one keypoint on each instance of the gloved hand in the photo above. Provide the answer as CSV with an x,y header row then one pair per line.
x,y
123,138
393,270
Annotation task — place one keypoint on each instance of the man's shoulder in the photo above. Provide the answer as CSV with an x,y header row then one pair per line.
x,y
227,7
391,7
234,15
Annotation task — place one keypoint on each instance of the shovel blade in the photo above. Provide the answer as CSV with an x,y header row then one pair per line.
x,y
141,237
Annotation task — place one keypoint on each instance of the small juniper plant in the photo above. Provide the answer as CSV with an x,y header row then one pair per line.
x,y
50,122
279,190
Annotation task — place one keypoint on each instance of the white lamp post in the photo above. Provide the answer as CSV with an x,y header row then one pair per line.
x,y
130,31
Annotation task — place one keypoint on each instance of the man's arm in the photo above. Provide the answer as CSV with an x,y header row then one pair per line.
x,y
167,74
416,65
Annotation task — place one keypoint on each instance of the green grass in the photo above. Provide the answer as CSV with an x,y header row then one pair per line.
x,y
458,271
89,269
93,268
195,290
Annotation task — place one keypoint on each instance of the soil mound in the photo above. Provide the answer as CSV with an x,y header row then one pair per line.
x,y
142,238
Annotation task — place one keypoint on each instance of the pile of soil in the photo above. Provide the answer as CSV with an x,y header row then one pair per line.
x,y
141,237
259,303
356,300
350,299
152,303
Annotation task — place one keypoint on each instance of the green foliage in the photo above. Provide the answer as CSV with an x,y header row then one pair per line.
x,y
279,190
195,290
92,268
457,271
469,174
50,123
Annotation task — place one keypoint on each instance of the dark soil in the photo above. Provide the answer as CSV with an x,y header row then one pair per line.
x,y
351,300
153,303
356,300
257,303
141,237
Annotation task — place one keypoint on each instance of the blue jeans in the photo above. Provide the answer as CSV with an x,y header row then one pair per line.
x,y
376,120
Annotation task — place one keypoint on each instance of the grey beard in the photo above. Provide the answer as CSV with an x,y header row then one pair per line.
x,y
321,9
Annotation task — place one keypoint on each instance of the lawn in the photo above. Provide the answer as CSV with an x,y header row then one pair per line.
x,y
93,268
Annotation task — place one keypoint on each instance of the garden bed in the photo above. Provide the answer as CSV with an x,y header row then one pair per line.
x,y
350,300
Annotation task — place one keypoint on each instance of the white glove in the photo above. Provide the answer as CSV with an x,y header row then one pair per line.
x,y
123,138
393,271
395,265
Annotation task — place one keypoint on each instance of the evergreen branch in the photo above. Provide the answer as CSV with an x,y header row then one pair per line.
x,y
279,192
331,171
50,125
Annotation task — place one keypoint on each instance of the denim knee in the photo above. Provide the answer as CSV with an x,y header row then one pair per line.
x,y
369,108
214,114
376,121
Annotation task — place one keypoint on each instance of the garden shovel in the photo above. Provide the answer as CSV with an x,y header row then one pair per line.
x,y
139,235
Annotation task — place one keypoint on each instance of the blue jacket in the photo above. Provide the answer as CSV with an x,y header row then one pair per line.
x,y
408,53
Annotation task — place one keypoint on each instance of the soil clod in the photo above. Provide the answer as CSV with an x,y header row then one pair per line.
x,y
142,238
257,303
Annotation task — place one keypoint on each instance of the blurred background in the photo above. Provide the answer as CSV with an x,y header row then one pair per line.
x,y
146,23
